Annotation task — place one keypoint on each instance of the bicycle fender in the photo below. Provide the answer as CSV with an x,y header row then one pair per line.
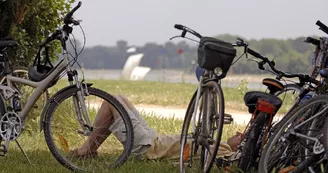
x,y
45,109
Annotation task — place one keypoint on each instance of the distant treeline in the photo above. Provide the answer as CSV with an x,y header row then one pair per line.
x,y
290,55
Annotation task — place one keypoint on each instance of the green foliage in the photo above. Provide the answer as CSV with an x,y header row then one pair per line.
x,y
243,87
30,22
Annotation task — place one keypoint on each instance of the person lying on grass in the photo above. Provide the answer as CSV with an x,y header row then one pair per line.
x,y
147,142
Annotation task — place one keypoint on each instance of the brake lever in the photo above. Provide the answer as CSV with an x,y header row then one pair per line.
x,y
178,36
183,33
77,22
252,59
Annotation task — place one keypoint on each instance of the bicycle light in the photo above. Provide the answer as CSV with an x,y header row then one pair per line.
x,y
218,71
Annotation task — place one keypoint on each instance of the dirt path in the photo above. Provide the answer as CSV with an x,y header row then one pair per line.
x,y
179,112
168,112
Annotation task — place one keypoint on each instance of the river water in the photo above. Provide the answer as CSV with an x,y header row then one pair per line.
x,y
176,76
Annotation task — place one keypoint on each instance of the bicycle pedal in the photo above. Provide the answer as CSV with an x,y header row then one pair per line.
x,y
227,119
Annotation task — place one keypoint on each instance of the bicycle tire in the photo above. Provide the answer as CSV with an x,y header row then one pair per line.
x,y
16,70
325,137
53,104
219,122
250,151
263,165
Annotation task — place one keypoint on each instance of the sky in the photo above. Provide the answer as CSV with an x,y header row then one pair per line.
x,y
142,21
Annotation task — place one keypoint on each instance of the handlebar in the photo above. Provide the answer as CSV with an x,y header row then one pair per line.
x,y
302,77
186,29
65,30
240,43
50,38
313,41
322,26
68,18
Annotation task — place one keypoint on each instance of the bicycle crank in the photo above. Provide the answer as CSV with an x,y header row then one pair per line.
x,y
10,128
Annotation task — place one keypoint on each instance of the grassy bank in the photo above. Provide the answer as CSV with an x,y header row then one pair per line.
x,y
42,161
169,94
158,93
139,92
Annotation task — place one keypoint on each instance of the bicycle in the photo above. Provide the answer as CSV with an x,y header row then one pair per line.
x,y
297,144
60,140
206,132
211,120
22,72
302,127
264,106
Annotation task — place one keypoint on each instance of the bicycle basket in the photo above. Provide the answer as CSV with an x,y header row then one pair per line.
x,y
213,53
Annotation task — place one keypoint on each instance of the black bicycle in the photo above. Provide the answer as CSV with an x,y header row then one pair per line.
x,y
297,142
205,112
264,106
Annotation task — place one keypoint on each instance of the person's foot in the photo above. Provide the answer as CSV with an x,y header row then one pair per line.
x,y
77,154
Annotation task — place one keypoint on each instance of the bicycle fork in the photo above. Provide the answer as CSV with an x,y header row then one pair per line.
x,y
79,104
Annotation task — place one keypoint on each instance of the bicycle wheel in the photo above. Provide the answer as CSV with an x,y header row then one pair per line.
x,y
18,71
64,134
253,143
295,141
210,119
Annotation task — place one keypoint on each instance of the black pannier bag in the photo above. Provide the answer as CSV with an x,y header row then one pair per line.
x,y
214,53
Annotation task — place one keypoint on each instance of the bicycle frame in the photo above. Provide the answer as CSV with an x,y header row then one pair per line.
x,y
40,87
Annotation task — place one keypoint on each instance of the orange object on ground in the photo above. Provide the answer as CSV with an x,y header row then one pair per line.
x,y
186,152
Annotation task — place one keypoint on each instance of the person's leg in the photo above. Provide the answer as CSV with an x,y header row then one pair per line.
x,y
106,115
129,105
168,146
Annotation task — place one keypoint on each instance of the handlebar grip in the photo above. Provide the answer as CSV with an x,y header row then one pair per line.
x,y
178,26
322,26
313,41
255,54
67,18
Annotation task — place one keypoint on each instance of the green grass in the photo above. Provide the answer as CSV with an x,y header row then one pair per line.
x,y
42,160
160,93
151,93
168,94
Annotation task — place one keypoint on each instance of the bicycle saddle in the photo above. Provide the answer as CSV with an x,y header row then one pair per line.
x,y
7,44
252,97
324,73
273,85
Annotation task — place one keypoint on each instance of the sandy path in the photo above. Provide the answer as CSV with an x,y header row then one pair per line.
x,y
168,112
179,112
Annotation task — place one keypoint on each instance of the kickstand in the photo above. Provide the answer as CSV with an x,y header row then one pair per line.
x,y
25,155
